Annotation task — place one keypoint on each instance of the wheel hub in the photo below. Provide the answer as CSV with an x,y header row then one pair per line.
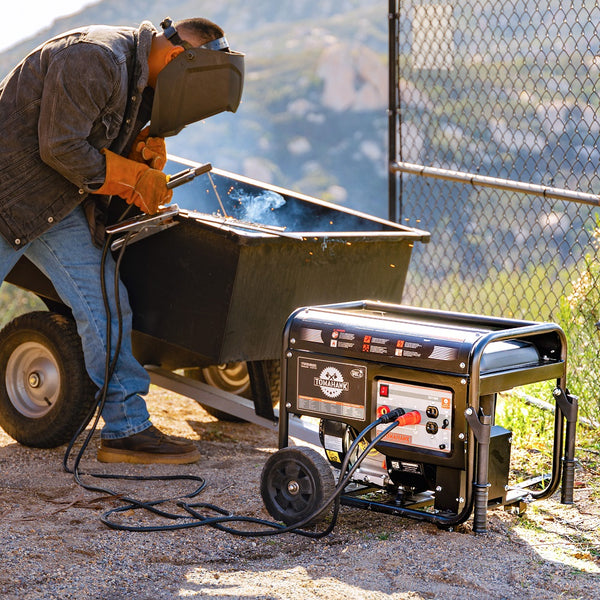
x,y
294,481
32,379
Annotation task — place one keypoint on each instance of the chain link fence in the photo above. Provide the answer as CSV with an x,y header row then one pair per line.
x,y
503,90
508,90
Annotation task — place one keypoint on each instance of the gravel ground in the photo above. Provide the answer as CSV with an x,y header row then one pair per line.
x,y
54,546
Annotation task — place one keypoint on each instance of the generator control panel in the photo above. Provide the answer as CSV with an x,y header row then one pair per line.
x,y
434,431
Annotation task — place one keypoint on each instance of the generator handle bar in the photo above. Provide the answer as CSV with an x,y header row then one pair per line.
x,y
474,415
427,314
474,388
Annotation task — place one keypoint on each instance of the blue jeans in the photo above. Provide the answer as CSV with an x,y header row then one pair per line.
x,y
67,256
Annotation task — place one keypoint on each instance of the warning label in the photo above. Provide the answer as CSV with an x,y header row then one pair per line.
x,y
331,388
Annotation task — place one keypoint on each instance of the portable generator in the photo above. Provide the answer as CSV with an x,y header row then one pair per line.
x,y
349,365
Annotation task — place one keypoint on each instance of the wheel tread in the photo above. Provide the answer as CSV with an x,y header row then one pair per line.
x,y
77,396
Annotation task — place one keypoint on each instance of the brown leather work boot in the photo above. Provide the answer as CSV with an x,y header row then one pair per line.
x,y
148,447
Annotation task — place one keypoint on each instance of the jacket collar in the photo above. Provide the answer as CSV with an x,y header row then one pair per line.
x,y
143,36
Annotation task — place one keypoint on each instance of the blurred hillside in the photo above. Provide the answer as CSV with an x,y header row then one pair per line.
x,y
313,116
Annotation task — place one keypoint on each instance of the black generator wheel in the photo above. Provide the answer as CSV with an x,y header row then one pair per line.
x,y
294,483
45,391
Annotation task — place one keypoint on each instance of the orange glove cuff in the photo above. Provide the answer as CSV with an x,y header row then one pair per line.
x,y
135,182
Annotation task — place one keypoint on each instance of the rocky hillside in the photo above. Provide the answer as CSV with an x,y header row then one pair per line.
x,y
313,116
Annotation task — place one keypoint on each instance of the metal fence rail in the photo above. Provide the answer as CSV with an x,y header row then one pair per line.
x,y
503,90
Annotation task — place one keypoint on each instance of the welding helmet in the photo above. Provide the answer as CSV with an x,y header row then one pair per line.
x,y
199,83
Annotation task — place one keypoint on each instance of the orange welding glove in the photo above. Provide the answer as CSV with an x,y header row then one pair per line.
x,y
135,182
149,150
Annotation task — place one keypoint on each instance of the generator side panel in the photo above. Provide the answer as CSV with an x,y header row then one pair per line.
x,y
329,388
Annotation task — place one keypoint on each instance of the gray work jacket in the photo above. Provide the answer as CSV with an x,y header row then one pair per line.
x,y
74,95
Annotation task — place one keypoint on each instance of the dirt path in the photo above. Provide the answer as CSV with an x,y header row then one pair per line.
x,y
53,544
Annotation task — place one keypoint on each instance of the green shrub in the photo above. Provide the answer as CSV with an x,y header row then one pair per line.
x,y
579,316
14,302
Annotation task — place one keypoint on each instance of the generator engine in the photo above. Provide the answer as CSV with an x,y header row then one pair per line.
x,y
346,365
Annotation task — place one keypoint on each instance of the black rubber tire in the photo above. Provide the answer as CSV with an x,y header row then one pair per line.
x,y
234,378
295,481
45,391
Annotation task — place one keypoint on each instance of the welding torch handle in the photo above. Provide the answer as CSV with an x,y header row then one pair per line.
x,y
187,175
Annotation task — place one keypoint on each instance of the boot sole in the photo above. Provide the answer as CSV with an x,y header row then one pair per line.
x,y
113,455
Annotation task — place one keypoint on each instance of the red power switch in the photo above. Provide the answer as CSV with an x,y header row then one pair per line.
x,y
384,390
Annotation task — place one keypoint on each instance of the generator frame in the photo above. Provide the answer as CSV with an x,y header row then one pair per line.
x,y
478,414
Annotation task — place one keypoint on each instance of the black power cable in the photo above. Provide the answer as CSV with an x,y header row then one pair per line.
x,y
109,368
192,517
273,528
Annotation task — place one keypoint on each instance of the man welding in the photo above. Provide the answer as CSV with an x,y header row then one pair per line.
x,y
73,116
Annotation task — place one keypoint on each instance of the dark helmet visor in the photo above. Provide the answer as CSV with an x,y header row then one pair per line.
x,y
197,84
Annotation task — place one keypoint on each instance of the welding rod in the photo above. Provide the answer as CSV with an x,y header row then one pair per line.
x,y
217,194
